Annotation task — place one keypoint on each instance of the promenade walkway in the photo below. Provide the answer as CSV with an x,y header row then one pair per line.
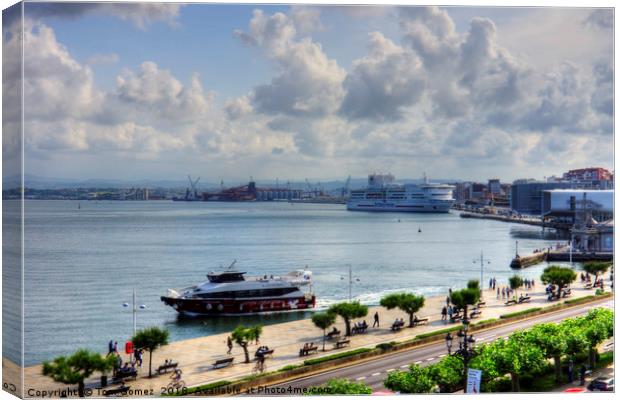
x,y
195,356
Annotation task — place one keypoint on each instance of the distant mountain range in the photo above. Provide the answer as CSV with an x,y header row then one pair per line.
x,y
38,182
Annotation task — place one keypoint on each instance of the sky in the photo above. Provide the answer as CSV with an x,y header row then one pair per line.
x,y
160,90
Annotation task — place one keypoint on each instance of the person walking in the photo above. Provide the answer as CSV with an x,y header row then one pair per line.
x,y
376,319
582,375
450,312
503,293
111,347
570,371
490,283
494,282
444,313
115,349
229,343
498,293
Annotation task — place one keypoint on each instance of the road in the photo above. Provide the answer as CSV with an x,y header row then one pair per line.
x,y
373,372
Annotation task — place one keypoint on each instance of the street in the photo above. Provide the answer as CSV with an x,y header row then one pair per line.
x,y
373,372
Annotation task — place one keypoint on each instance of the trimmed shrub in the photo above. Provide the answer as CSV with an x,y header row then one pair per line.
x,y
519,313
319,360
439,332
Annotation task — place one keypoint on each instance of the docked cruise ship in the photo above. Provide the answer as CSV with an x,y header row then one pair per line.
x,y
382,194
230,292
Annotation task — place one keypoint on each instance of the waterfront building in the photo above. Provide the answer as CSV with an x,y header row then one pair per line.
x,y
494,187
527,194
567,203
461,192
477,191
597,237
595,178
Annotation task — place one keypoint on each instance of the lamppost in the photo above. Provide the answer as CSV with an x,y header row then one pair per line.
x,y
134,310
482,260
466,348
350,280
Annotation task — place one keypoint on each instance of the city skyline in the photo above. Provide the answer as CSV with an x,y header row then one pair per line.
x,y
156,91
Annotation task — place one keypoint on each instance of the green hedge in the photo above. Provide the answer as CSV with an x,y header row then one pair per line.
x,y
439,332
518,313
289,367
336,356
485,321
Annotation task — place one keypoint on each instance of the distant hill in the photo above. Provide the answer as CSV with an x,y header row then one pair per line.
x,y
38,182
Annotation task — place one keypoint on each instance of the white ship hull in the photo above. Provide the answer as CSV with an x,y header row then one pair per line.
x,y
441,207
383,195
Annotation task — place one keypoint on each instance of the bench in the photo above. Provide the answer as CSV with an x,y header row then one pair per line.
x,y
120,375
307,350
525,299
165,367
113,392
265,353
223,362
420,321
397,326
566,292
510,302
588,285
333,334
342,343
359,329
475,313
482,303
455,317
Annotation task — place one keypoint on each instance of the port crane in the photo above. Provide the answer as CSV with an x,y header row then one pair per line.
x,y
345,189
192,191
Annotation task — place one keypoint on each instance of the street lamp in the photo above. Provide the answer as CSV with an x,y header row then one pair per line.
x,y
466,348
134,310
482,260
350,280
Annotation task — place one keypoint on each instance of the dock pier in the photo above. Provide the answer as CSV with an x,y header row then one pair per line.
x,y
561,254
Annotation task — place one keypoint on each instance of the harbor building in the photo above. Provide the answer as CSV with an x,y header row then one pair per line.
x,y
495,187
596,176
526,195
568,203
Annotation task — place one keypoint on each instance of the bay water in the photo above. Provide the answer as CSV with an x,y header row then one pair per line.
x,y
83,260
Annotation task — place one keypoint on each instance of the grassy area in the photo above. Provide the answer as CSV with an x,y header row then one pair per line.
x,y
485,321
519,313
336,356
439,332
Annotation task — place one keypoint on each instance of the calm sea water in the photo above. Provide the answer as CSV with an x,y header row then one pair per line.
x,y
81,264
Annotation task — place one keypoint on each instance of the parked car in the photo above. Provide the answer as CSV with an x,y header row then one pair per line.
x,y
602,383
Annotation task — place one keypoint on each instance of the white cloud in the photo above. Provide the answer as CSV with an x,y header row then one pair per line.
x,y
237,108
382,83
307,82
160,93
140,14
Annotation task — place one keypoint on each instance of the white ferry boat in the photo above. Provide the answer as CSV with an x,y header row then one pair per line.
x,y
382,194
229,292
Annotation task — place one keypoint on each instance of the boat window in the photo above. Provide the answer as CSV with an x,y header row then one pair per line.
x,y
226,277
